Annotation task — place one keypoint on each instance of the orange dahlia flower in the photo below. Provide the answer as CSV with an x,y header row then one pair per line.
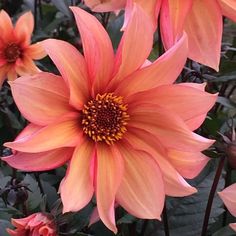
x,y
35,224
16,53
228,196
201,20
126,128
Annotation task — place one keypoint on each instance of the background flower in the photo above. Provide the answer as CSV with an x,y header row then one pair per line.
x,y
16,53
35,224
203,27
228,196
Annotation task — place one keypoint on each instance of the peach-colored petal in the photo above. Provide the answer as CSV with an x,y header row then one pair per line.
x,y
158,73
26,66
141,191
42,98
77,187
97,48
28,131
72,67
3,74
135,45
63,134
35,51
228,8
39,161
233,226
172,18
108,179
21,223
5,26
151,8
105,5
24,27
188,164
180,99
204,28
174,183
2,61
168,127
228,196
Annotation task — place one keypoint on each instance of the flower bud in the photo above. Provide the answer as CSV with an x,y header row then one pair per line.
x,y
231,151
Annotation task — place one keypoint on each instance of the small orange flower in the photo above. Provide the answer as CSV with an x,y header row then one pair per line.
x,y
16,53
228,196
124,126
35,224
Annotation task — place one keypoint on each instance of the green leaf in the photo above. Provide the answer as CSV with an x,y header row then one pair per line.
x,y
35,196
226,231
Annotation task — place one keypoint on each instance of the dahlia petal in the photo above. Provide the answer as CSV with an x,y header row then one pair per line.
x,y
11,74
64,134
3,74
151,8
141,191
28,131
45,91
233,226
23,222
172,18
5,26
77,187
168,127
228,8
204,30
105,6
97,48
135,45
174,183
72,67
39,161
228,196
188,164
179,98
158,73
24,27
109,174
2,62
26,66
35,51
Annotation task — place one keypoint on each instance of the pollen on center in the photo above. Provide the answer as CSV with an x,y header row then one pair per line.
x,y
105,118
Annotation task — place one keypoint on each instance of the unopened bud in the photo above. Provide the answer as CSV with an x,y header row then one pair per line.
x,y
231,151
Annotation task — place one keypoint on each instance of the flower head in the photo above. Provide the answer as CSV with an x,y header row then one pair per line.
x,y
35,224
203,27
125,128
16,53
228,196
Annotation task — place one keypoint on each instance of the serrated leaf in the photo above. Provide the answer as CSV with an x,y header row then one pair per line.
x,y
35,196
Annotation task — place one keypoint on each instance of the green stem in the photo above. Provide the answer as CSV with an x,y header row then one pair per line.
x,y
211,196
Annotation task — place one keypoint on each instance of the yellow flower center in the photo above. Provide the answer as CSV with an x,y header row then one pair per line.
x,y
105,118
12,52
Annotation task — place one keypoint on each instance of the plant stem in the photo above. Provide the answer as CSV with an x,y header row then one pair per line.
x,y
211,195
144,227
165,221
227,183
